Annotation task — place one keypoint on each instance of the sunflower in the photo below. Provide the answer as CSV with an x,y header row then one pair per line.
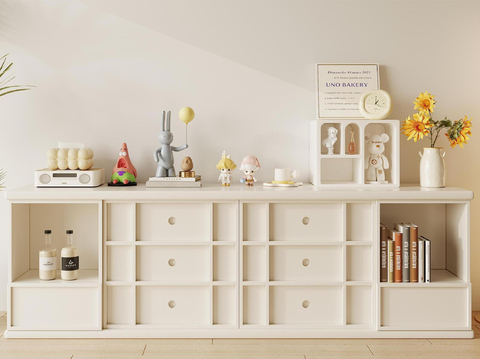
x,y
457,134
424,102
417,127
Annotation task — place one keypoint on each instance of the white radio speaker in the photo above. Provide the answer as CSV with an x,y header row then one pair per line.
x,y
93,177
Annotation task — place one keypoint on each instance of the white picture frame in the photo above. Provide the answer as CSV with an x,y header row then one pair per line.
x,y
340,86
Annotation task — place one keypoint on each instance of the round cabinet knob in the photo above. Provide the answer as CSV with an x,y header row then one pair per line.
x,y
172,304
84,178
44,179
305,304
172,262
172,221
305,220
306,262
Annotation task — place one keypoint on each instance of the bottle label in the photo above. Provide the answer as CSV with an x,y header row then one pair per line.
x,y
47,263
70,263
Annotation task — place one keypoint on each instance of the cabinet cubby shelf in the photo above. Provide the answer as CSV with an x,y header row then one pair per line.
x,y
440,278
30,278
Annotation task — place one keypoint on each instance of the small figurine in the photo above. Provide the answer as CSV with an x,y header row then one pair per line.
x,y
187,166
249,166
375,161
164,154
124,172
329,142
352,147
226,165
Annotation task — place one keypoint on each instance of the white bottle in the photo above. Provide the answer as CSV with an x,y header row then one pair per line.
x,y
70,260
47,259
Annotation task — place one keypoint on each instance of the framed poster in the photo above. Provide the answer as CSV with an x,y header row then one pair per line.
x,y
340,86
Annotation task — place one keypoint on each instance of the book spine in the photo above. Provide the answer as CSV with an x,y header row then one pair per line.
x,y
398,257
406,255
428,261
414,254
383,255
391,266
421,261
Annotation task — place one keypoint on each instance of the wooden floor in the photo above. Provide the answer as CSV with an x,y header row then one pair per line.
x,y
239,348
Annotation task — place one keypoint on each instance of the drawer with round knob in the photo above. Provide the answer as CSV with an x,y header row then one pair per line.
x,y
173,222
306,222
173,305
322,305
173,263
306,263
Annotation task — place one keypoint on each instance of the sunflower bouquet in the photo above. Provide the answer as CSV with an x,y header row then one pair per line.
x,y
422,124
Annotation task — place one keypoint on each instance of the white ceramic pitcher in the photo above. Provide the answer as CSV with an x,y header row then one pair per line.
x,y
432,167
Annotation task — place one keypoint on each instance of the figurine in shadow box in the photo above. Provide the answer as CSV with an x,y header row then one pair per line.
x,y
124,172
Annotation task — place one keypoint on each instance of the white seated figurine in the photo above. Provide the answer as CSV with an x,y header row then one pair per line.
x,y
330,140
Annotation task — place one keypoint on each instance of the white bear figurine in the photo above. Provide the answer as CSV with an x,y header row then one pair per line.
x,y
375,161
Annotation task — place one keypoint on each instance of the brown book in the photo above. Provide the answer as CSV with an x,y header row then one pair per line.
x,y
396,236
383,253
413,253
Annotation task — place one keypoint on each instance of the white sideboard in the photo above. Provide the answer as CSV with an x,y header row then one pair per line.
x,y
236,262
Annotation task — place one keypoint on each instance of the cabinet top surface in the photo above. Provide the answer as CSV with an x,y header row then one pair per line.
x,y
214,191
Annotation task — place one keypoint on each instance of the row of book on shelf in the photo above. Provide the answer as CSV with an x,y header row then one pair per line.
x,y
405,257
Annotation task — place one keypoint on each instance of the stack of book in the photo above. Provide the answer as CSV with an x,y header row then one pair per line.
x,y
405,257
175,182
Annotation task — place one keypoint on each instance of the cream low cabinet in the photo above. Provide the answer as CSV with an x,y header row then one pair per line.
x,y
236,262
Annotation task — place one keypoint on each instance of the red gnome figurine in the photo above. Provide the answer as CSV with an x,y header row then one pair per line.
x,y
124,171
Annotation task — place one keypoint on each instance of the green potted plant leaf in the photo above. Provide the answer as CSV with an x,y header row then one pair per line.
x,y
6,76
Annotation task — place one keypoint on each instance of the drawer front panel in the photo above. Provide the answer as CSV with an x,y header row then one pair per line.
x,y
306,222
173,263
55,308
424,308
173,305
306,305
309,263
167,222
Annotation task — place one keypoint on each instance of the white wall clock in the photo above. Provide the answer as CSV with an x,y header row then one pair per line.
x,y
375,105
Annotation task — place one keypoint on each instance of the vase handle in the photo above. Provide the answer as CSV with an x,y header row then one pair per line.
x,y
420,153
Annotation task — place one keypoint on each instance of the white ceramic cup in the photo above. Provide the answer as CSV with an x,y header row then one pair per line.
x,y
285,174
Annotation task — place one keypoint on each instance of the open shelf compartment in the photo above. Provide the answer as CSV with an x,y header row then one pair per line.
x,y
438,303
343,168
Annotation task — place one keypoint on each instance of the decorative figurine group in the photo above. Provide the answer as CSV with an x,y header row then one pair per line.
x,y
249,166
125,174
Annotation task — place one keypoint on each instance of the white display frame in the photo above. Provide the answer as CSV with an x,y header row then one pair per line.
x,y
338,114
323,165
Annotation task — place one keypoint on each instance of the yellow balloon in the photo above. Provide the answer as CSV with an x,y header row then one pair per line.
x,y
186,114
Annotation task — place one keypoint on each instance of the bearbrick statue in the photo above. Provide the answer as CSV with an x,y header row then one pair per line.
x,y
375,161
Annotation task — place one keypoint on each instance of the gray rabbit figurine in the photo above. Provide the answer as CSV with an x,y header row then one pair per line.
x,y
164,154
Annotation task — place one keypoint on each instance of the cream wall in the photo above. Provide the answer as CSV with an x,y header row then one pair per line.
x,y
105,70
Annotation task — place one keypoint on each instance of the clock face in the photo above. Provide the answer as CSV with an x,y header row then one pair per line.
x,y
375,103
